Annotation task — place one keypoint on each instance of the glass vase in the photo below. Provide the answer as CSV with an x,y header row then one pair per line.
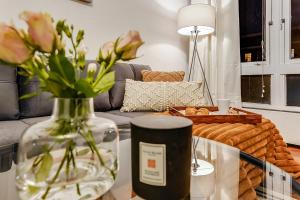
x,y
73,155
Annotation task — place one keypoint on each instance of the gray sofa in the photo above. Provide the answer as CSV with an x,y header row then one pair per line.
x,y
17,115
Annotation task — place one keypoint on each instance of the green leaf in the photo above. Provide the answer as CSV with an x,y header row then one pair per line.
x,y
79,36
23,72
53,87
58,86
106,82
45,168
30,95
60,80
84,86
63,67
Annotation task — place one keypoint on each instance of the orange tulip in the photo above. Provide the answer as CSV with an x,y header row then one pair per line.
x,y
40,29
128,45
106,52
12,47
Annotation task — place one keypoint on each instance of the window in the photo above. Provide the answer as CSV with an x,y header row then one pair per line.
x,y
256,89
252,29
293,90
270,53
277,24
295,29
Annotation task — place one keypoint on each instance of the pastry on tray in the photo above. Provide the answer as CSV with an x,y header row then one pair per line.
x,y
195,111
191,111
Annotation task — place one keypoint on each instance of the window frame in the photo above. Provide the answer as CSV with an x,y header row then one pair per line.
x,y
248,66
286,37
278,63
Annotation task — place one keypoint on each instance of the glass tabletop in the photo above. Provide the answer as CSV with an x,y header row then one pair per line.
x,y
222,177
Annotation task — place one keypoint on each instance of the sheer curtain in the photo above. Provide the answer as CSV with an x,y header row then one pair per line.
x,y
220,52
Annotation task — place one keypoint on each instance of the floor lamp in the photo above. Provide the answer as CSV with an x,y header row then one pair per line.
x,y
197,20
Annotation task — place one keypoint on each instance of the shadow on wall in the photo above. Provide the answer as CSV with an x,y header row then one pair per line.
x,y
172,5
164,53
167,8
107,19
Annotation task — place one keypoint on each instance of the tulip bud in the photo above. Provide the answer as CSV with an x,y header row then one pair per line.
x,y
127,45
106,52
41,31
91,70
13,49
59,43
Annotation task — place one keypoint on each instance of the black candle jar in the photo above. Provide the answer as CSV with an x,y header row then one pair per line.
x,y
161,157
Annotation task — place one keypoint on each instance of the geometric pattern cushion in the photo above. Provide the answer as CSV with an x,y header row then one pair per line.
x,y
149,76
157,96
124,71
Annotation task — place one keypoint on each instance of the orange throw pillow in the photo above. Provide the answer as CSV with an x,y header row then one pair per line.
x,y
150,76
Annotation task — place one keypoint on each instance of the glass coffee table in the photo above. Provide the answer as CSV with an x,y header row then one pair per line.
x,y
220,178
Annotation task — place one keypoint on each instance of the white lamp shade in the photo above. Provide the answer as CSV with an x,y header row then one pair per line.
x,y
199,16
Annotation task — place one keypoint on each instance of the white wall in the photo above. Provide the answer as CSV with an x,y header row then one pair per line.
x,y
288,124
107,19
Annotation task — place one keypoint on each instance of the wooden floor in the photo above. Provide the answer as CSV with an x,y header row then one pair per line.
x,y
296,153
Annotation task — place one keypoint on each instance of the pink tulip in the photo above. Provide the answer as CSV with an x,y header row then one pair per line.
x,y
40,29
106,52
12,47
128,45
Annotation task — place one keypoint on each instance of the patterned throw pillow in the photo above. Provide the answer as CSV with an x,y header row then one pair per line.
x,y
157,96
149,76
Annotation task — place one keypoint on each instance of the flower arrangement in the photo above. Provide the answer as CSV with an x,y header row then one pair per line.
x,y
41,52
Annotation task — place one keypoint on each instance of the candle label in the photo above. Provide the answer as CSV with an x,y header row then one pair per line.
x,y
153,164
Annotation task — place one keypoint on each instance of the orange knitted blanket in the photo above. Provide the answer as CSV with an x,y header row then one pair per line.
x,y
261,140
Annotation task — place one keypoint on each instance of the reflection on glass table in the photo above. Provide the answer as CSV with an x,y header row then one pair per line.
x,y
221,182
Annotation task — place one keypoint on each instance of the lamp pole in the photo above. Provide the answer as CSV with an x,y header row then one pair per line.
x,y
196,32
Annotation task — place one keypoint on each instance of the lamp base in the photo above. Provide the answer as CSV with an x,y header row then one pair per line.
x,y
201,168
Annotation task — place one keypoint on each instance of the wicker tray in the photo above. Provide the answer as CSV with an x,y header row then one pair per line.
x,y
243,116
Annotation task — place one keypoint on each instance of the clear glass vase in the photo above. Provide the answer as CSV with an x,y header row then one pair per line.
x,y
73,155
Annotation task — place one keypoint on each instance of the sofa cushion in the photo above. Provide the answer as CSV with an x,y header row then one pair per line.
x,y
34,120
40,105
116,94
9,108
123,72
137,70
129,114
11,131
158,96
101,102
121,121
174,76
